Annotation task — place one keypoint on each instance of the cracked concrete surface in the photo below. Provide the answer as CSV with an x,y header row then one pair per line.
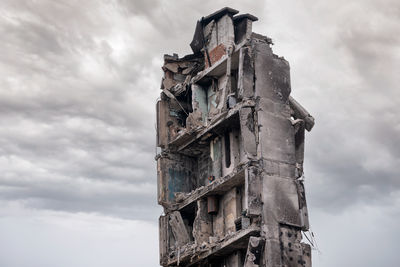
x,y
232,150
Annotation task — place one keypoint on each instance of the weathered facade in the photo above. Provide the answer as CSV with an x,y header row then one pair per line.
x,y
230,170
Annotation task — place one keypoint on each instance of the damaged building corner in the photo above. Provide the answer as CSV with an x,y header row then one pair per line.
x,y
231,139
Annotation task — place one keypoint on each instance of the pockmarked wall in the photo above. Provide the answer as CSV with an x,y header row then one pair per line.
x,y
231,139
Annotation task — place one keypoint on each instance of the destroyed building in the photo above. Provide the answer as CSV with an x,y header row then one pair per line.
x,y
230,163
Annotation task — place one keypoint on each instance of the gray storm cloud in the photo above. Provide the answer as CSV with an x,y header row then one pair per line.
x,y
78,86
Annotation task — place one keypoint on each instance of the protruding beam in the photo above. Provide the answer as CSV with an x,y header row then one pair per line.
x,y
301,113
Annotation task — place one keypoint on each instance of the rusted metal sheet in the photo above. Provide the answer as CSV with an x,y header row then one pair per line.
x,y
216,54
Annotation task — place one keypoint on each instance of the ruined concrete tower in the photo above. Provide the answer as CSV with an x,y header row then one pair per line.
x,y
231,138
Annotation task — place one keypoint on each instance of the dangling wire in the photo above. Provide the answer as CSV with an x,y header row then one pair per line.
x,y
312,240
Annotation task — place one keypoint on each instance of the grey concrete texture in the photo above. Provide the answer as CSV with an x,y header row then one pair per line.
x,y
231,139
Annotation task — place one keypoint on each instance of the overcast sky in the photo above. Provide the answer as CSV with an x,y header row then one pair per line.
x,y
78,85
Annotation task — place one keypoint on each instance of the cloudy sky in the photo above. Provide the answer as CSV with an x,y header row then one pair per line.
x,y
78,85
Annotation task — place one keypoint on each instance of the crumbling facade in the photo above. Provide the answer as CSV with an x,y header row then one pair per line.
x,y
230,169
